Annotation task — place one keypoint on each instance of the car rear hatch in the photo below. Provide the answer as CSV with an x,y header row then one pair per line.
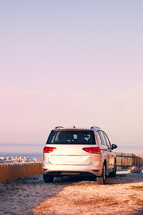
x,y
69,155
66,147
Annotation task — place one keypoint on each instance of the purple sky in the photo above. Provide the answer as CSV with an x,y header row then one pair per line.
x,y
71,63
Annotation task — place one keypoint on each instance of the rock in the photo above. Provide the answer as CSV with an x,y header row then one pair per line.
x,y
134,169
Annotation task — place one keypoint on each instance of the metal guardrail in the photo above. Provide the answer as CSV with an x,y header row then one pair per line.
x,y
126,160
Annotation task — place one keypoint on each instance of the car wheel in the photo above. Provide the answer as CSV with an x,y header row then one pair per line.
x,y
102,179
48,178
113,174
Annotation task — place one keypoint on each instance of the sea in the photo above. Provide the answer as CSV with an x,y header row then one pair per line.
x,y
21,150
131,148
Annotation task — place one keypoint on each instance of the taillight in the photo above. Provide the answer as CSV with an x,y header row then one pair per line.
x,y
92,150
48,149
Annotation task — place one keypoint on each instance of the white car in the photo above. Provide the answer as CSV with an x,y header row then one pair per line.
x,y
74,151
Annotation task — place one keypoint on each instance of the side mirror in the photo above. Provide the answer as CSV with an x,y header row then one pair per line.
x,y
114,146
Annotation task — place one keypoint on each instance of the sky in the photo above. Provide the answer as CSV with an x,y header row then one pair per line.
x,y
71,63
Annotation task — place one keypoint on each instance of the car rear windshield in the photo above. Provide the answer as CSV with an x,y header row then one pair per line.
x,y
71,137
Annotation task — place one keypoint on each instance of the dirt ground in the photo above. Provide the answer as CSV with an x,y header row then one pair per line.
x,y
73,195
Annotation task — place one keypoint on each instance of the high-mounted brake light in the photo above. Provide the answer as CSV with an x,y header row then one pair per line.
x,y
48,149
92,150
71,129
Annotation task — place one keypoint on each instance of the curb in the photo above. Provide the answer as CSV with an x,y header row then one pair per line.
x,y
14,171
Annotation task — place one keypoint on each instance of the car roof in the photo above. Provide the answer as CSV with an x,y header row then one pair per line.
x,y
93,128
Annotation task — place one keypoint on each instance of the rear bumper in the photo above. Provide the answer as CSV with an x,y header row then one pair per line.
x,y
57,170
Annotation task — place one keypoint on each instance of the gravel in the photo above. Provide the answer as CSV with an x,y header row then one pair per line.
x,y
73,195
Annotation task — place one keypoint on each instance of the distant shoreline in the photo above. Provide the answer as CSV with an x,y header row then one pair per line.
x,y
29,155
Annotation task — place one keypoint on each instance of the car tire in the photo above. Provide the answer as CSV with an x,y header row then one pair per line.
x,y
102,178
113,174
48,178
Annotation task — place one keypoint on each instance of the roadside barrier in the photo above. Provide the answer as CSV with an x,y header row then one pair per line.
x,y
14,171
127,160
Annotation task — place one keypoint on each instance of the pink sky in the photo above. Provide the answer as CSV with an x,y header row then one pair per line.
x,y
71,63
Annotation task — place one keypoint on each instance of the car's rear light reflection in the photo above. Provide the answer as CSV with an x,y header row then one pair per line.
x,y
95,170
44,169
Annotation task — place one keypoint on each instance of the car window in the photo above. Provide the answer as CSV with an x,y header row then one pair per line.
x,y
71,137
103,141
99,138
107,140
